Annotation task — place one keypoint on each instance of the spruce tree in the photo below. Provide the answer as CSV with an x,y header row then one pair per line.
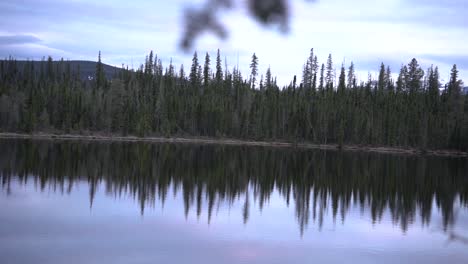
x,y
322,71
306,73
330,77
402,82
342,80
99,76
433,88
382,82
388,79
219,69
206,70
253,70
193,77
415,75
351,77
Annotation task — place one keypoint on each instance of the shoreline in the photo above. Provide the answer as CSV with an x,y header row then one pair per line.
x,y
238,142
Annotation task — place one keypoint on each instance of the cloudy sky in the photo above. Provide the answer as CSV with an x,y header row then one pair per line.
x,y
364,31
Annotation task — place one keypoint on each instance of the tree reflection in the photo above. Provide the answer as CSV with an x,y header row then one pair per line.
x,y
316,182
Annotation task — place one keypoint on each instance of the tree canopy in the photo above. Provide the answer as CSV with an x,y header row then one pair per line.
x,y
415,110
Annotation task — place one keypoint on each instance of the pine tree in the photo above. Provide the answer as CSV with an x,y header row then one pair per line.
x,y
455,108
50,68
415,75
194,71
342,80
149,64
181,72
433,88
206,70
388,79
351,77
382,82
306,75
309,71
330,77
315,67
322,71
254,70
454,86
171,71
100,77
402,82
268,78
219,69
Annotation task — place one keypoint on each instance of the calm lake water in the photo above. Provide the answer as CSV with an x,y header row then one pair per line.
x,y
90,202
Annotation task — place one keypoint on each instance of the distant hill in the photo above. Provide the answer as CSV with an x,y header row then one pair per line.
x,y
87,68
465,90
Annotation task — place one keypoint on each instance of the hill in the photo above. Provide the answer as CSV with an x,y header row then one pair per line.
x,y
86,69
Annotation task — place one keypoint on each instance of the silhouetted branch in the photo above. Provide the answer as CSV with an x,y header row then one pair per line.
x,y
266,12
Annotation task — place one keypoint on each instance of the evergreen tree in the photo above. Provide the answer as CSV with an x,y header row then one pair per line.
x,y
342,80
415,75
206,70
330,77
402,82
351,77
254,70
433,88
100,77
314,67
149,64
306,73
182,73
388,79
171,70
322,70
382,82
455,109
219,69
194,71
454,85
268,78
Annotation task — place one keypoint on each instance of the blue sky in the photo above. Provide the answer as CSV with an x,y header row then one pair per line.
x,y
364,31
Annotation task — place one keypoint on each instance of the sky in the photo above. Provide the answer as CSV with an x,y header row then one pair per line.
x,y
55,227
366,32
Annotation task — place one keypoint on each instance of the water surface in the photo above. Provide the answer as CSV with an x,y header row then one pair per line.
x,y
91,202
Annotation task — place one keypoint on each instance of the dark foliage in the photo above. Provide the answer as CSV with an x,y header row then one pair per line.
x,y
324,108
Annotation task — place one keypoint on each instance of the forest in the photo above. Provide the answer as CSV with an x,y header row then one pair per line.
x,y
414,110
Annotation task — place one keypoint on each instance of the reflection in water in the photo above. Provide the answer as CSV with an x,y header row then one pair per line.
x,y
316,182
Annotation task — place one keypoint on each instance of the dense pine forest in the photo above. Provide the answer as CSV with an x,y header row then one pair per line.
x,y
210,100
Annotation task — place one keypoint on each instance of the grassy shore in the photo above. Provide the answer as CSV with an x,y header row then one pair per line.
x,y
226,141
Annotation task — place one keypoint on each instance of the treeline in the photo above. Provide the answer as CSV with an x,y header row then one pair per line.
x,y
213,101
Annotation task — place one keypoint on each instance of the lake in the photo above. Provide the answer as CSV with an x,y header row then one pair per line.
x,y
123,202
